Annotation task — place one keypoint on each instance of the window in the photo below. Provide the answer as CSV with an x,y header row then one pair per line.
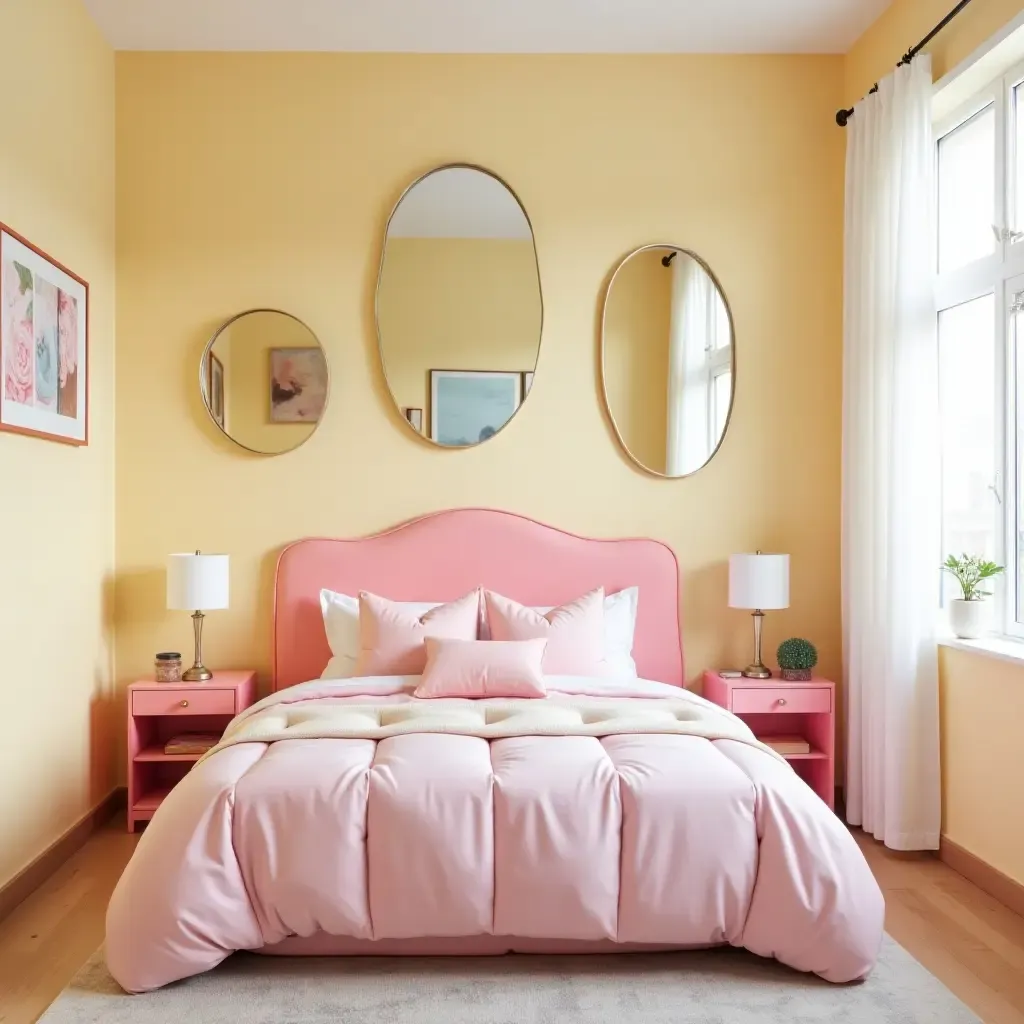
x,y
980,308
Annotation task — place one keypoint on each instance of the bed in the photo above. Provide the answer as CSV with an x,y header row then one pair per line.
x,y
347,817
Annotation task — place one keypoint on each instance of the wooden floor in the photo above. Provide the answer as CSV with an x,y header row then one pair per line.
x,y
974,944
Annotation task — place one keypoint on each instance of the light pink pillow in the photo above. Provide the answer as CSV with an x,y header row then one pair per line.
x,y
575,632
483,668
391,637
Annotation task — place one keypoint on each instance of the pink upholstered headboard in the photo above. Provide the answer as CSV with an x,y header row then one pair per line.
x,y
445,555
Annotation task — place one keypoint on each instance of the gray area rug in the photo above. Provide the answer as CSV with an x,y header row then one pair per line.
x,y
714,987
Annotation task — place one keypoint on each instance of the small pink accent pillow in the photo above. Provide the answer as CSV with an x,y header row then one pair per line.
x,y
575,632
483,668
391,638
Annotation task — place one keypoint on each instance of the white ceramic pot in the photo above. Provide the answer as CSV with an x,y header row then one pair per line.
x,y
969,619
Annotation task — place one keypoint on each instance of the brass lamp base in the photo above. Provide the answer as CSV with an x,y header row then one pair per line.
x,y
757,669
198,673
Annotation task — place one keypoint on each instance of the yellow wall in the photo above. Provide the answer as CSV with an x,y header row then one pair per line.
x,y
907,21
276,174
982,757
637,325
57,512
244,350
982,698
456,304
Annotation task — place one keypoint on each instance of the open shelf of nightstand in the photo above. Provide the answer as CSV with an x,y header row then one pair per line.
x,y
156,753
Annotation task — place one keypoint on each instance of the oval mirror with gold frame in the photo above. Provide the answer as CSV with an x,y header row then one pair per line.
x,y
459,306
668,367
265,381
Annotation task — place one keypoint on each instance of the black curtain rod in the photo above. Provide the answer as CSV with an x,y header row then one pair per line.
x,y
843,116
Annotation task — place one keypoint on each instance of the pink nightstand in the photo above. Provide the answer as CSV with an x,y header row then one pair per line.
x,y
776,707
158,711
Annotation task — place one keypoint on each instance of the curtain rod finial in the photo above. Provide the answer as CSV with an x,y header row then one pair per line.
x,y
843,117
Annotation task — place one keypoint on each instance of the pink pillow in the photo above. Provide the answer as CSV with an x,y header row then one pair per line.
x,y
391,637
575,632
483,668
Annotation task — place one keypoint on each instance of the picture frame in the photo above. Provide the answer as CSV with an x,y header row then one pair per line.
x,y
471,406
415,418
298,385
44,344
215,389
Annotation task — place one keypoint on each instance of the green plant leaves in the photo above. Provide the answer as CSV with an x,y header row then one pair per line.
x,y
969,571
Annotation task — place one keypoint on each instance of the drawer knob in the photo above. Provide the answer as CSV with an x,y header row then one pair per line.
x,y
184,703
782,701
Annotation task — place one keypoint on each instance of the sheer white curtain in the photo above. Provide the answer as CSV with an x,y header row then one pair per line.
x,y
693,311
891,518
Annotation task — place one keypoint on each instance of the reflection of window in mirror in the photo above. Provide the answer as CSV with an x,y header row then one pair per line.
x,y
667,360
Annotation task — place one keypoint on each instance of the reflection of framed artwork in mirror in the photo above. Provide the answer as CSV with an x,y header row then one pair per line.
x,y
470,406
216,385
527,382
298,385
415,418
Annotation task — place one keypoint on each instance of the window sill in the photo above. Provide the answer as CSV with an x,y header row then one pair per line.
x,y
999,647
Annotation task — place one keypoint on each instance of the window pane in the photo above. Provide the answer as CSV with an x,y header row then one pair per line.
x,y
723,394
967,398
967,160
1018,170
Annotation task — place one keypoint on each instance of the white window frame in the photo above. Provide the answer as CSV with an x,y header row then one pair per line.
x,y
1000,274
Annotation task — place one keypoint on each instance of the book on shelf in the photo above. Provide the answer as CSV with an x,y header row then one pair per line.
x,y
787,744
191,743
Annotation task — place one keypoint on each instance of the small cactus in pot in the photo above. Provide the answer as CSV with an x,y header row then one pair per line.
x,y
796,659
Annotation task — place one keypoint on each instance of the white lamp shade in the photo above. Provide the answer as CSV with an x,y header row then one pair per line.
x,y
197,582
759,581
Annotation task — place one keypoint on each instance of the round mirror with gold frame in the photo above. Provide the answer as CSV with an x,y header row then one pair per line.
x,y
459,306
265,381
668,366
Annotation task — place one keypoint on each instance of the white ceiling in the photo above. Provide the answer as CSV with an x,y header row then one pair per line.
x,y
459,202
488,26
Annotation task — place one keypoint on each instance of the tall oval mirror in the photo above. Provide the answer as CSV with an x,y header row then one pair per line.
x,y
459,307
264,381
667,360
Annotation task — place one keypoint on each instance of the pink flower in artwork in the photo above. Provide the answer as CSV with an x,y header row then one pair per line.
x,y
67,320
18,376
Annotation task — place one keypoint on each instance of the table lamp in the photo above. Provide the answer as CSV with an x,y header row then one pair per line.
x,y
197,582
758,581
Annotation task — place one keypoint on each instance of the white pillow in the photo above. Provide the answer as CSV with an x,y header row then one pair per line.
x,y
619,627
341,623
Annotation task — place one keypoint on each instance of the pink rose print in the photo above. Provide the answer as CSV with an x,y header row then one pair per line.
x,y
18,368
67,319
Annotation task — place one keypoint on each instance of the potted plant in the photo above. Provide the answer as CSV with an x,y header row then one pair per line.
x,y
796,658
968,615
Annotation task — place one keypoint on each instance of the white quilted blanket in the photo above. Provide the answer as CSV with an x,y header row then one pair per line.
x,y
320,714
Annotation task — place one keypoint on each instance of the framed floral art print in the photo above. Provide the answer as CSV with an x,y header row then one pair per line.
x,y
44,344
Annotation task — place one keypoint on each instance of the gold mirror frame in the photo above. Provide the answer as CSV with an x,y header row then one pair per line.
x,y
203,379
376,300
603,346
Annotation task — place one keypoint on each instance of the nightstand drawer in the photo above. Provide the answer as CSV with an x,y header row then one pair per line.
x,y
767,699
183,702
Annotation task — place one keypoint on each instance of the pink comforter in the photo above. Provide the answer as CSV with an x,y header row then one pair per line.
x,y
521,843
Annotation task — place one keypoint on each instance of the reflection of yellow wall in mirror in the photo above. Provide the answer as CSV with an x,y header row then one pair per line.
x,y
260,204
636,344
456,304
244,349
58,754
